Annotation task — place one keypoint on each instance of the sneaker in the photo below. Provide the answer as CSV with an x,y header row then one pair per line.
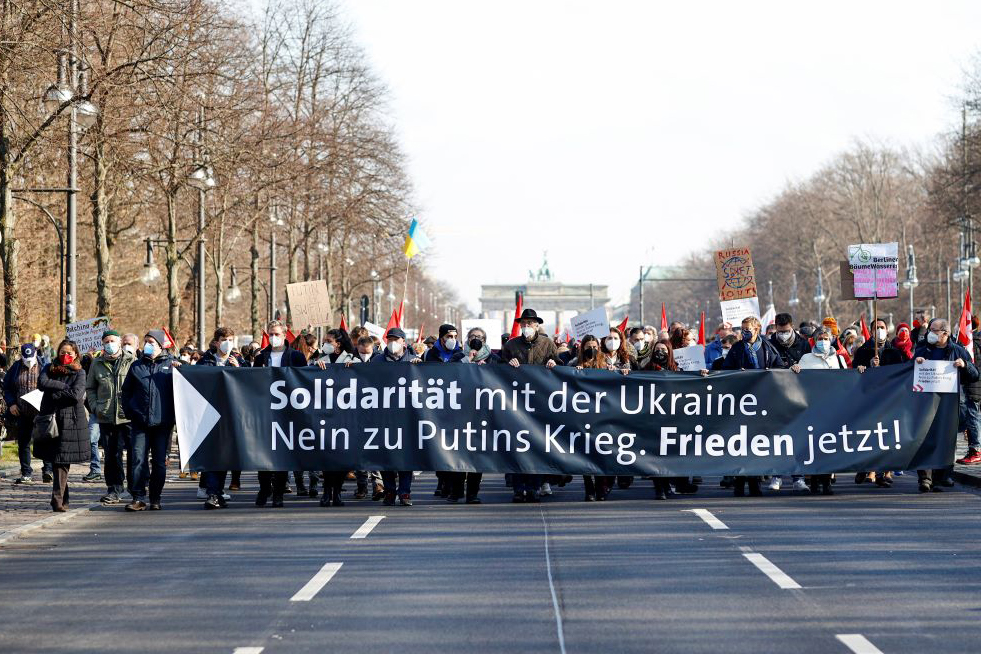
x,y
226,496
24,480
110,498
92,476
775,483
212,502
405,500
136,505
800,485
202,494
153,506
546,489
973,456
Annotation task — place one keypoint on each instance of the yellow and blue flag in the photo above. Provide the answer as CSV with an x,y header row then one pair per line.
x,y
416,240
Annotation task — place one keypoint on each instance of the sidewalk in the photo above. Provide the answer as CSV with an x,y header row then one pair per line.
x,y
21,504
967,475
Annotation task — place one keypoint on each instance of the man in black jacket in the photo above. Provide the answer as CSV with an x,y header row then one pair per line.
x,y
788,342
878,350
277,355
970,417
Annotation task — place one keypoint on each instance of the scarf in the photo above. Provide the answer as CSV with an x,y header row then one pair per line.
x,y
752,349
482,354
63,371
902,341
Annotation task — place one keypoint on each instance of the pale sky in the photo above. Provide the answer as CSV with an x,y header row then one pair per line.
x,y
600,130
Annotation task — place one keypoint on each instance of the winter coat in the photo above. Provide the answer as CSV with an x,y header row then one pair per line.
x,y
712,352
952,352
973,390
148,392
291,359
889,355
536,352
386,357
738,357
210,358
791,354
438,354
10,380
814,361
103,387
64,396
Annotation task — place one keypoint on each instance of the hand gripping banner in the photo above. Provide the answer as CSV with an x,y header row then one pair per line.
x,y
529,419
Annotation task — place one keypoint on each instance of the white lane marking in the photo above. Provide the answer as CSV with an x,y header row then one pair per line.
x,y
248,650
709,519
368,525
776,575
858,644
312,587
551,587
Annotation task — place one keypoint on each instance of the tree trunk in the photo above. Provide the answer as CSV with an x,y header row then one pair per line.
x,y
254,282
100,226
173,262
9,249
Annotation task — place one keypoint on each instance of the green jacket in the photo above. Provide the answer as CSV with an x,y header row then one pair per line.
x,y
103,385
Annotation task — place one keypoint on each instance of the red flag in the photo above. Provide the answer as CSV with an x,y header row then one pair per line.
x,y
556,329
623,326
265,340
169,341
393,321
515,327
701,330
419,335
401,306
290,337
568,336
343,323
964,327
866,334
664,318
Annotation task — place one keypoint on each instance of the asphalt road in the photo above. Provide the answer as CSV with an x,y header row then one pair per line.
x,y
888,569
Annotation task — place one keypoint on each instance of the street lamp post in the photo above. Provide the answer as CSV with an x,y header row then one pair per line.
x,y
911,281
202,178
794,300
819,296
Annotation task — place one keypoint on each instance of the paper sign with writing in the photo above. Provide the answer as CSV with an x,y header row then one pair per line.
x,y
690,358
733,311
490,326
87,333
594,322
875,267
735,274
935,377
374,330
309,304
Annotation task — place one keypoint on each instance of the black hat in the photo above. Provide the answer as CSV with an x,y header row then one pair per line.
x,y
446,327
529,314
395,332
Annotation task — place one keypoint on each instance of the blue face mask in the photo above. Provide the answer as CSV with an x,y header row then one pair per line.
x,y
822,347
149,350
747,335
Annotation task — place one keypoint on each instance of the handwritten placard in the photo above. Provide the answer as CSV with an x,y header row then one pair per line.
x,y
735,274
309,304
875,267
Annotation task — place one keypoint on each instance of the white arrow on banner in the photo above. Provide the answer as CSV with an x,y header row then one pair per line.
x,y
195,417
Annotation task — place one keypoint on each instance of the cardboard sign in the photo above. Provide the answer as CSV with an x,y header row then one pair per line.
x,y
733,311
875,267
87,333
375,330
490,326
594,321
309,304
735,274
690,358
847,281
935,377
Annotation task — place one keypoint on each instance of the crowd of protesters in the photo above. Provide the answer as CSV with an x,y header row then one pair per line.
x,y
120,399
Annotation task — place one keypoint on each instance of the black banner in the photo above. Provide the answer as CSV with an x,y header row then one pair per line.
x,y
530,419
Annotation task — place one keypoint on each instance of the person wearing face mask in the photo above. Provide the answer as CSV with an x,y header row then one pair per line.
x,y
727,342
396,352
532,348
714,349
363,352
447,347
20,380
614,349
641,346
878,350
662,360
477,350
103,386
589,357
337,348
277,354
939,346
148,402
788,342
131,344
63,385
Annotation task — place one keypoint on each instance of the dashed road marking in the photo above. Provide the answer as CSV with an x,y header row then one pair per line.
x,y
709,519
248,650
776,575
368,525
858,644
312,587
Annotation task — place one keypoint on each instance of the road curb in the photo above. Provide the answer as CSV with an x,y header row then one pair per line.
x,y
56,519
966,479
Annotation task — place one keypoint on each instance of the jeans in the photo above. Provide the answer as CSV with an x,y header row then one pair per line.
x,y
970,421
214,481
95,466
405,482
117,440
363,476
149,454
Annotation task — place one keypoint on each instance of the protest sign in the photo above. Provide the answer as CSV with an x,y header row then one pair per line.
x,y
735,274
935,377
875,267
490,326
595,322
733,311
690,358
309,304
428,416
374,330
87,334
847,281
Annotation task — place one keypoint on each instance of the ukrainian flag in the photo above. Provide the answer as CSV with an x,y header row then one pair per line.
x,y
416,240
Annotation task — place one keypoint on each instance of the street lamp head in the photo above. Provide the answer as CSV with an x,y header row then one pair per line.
x,y
151,274
233,294
57,95
86,114
199,178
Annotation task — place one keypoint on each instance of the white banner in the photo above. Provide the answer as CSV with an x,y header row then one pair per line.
x,y
690,358
733,311
594,321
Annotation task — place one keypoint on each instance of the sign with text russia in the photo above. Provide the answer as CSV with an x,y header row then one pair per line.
x,y
735,274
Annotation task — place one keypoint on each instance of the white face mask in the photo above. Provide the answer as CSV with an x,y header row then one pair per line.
x,y
395,347
880,334
529,332
276,341
328,348
932,338
226,347
784,337
822,346
639,345
648,338
450,344
111,348
364,355
725,352
129,348
30,363
612,344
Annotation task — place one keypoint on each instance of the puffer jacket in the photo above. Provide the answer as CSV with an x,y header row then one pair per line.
x,y
148,392
104,385
64,396
738,357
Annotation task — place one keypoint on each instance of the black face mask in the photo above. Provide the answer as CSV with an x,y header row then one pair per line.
x,y
589,352
476,344
660,356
